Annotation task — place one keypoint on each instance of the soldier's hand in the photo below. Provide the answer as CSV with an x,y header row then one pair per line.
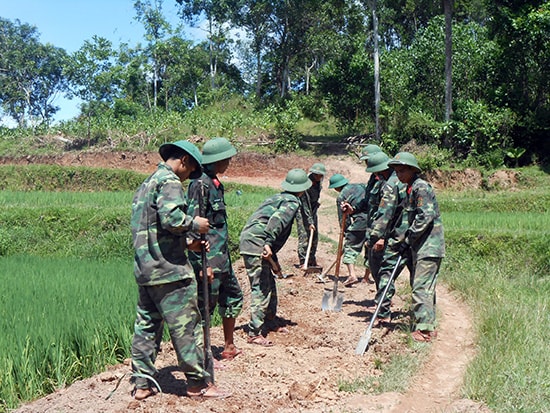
x,y
379,245
346,207
202,224
267,252
210,275
312,228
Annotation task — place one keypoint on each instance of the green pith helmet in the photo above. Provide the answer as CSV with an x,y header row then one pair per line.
x,y
337,180
318,168
377,162
404,158
296,181
217,149
369,150
166,150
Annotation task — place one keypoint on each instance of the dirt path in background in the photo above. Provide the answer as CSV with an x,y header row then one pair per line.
x,y
301,373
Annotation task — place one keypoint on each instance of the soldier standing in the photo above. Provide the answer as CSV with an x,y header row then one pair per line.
x,y
264,234
167,289
306,217
224,289
423,243
356,224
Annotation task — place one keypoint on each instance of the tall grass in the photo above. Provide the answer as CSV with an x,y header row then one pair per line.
x,y
499,260
61,320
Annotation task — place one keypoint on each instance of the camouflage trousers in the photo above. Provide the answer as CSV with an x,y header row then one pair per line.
x,y
302,228
374,262
353,245
387,265
225,292
263,291
423,281
174,304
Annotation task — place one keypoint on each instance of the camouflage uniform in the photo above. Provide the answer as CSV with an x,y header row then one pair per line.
x,y
306,216
225,290
356,226
427,246
270,225
388,223
364,206
166,283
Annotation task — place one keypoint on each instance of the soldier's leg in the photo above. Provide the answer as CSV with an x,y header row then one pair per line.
x,y
375,262
314,243
147,335
387,266
303,236
260,292
180,310
230,304
354,241
423,293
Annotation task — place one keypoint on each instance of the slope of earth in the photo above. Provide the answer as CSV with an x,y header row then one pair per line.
x,y
302,371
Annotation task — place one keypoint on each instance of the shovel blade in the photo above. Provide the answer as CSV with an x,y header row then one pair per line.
x,y
332,302
363,342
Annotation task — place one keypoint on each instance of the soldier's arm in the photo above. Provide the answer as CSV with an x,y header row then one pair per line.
x,y
172,209
425,213
279,220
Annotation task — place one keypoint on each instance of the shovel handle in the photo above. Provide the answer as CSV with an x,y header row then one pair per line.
x,y
310,242
340,250
276,267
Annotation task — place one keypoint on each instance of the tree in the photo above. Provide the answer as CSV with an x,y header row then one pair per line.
x,y
30,73
93,77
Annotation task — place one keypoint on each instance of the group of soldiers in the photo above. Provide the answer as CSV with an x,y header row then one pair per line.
x,y
394,215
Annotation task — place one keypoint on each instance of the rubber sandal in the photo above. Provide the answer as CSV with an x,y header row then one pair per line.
x,y
230,355
423,336
207,391
280,330
142,394
260,341
349,282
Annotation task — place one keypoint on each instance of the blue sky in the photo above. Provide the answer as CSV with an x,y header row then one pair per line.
x,y
68,23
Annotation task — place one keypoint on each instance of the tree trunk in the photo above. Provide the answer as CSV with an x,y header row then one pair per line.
x,y
376,71
448,10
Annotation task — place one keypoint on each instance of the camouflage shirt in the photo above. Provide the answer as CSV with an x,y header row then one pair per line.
x,y
387,222
310,202
271,224
353,194
364,205
425,232
214,209
159,225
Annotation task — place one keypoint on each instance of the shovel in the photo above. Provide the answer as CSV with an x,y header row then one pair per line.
x,y
321,276
309,270
365,337
277,269
333,299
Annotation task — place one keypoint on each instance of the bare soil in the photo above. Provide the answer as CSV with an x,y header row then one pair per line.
x,y
303,370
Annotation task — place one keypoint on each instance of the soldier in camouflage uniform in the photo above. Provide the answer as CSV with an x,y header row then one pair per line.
x,y
167,289
308,218
224,289
356,224
423,242
386,229
264,234
366,153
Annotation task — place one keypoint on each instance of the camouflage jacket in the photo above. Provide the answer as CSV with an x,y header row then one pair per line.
x,y
310,202
364,205
425,232
387,222
353,194
214,209
159,224
271,224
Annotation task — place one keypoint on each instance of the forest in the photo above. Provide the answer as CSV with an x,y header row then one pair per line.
x,y
470,77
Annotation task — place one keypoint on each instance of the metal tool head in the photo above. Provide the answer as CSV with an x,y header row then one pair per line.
x,y
332,302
